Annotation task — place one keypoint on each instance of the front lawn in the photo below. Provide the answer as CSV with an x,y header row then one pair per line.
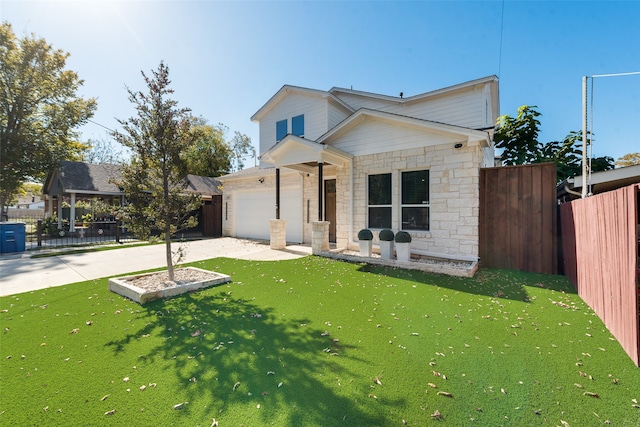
x,y
316,342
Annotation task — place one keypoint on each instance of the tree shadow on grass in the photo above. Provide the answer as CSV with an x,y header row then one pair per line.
x,y
242,357
507,284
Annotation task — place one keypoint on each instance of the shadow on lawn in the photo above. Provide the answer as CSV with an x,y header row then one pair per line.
x,y
239,355
507,284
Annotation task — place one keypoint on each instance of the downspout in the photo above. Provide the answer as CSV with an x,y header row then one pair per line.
x,y
350,241
575,193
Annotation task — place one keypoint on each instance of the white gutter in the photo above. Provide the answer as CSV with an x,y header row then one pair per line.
x,y
350,241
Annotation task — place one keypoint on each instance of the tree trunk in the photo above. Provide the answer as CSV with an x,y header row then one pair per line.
x,y
167,239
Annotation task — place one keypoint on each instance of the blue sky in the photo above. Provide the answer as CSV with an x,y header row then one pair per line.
x,y
227,59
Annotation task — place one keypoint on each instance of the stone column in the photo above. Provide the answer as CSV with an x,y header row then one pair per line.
x,y
278,233
319,237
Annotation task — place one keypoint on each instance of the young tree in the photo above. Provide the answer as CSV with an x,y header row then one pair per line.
x,y
39,110
154,180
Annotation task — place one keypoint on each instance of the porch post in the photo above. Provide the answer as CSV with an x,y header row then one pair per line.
x,y
59,211
320,193
277,193
72,213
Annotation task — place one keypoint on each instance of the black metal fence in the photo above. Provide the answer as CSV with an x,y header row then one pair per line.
x,y
44,233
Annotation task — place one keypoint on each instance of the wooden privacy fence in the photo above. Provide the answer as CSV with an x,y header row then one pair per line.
x,y
600,248
518,218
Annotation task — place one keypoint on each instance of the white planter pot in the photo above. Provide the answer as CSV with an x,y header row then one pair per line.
x,y
365,247
403,252
386,249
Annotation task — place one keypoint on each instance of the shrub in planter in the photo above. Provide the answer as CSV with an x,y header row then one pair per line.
x,y
365,234
402,237
365,238
386,243
386,235
403,240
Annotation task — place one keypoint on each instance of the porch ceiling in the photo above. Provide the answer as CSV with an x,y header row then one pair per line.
x,y
301,154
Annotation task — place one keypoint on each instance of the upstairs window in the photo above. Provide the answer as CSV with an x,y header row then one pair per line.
x,y
281,129
379,200
415,200
297,125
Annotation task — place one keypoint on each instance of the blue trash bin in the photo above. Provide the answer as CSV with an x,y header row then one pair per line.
x,y
13,237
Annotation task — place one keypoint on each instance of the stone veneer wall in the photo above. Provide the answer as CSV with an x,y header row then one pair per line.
x,y
454,176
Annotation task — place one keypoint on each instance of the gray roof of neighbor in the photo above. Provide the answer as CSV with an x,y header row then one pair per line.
x,y
85,177
203,185
79,177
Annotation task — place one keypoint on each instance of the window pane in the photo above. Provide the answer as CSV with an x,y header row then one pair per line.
x,y
297,125
415,187
281,129
379,217
415,218
380,189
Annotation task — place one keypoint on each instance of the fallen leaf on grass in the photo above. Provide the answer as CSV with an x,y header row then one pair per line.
x,y
590,394
377,380
179,405
75,331
214,423
437,415
111,412
235,386
432,385
445,394
105,397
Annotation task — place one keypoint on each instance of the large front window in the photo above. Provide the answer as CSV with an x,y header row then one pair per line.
x,y
379,200
415,200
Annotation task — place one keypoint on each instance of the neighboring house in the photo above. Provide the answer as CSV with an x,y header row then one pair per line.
x,y
74,181
600,182
363,160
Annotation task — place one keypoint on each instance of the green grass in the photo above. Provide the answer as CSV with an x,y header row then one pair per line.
x,y
305,343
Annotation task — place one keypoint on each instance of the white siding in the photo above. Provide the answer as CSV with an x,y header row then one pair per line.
x,y
336,115
377,136
467,108
315,118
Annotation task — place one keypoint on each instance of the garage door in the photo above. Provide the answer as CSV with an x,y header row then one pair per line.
x,y
254,209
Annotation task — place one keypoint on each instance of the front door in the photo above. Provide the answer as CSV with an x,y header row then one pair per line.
x,y
330,207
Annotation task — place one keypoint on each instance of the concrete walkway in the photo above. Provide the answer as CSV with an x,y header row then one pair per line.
x,y
21,273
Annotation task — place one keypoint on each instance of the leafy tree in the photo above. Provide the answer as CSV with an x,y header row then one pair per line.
x,y
629,159
103,151
518,137
241,147
39,110
210,155
154,179
213,155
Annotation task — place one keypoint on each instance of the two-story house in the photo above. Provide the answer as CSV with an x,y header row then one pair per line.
x,y
363,160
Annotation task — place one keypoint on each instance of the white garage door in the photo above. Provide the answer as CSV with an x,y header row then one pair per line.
x,y
254,209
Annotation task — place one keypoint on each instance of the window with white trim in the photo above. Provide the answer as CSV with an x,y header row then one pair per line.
x,y
415,200
379,200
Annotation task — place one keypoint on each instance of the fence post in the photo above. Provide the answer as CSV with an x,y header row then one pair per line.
x,y
39,232
117,231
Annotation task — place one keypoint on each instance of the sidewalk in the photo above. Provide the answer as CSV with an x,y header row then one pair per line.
x,y
21,273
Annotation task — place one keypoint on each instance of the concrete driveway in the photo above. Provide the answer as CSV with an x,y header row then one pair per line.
x,y
21,273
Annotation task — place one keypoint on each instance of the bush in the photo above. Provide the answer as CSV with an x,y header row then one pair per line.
x,y
386,235
365,234
403,237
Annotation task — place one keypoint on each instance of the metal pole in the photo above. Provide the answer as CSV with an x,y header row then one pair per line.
x,y
584,136
320,195
277,193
